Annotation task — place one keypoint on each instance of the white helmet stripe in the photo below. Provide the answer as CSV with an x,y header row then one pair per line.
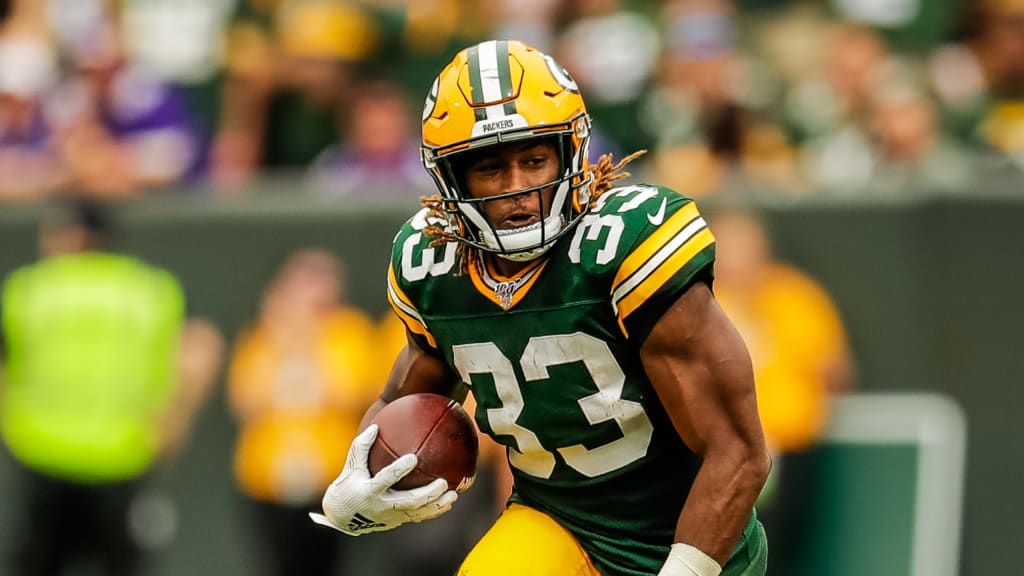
x,y
490,78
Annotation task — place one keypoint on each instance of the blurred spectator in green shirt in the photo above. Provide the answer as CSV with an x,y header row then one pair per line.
x,y
289,66
708,111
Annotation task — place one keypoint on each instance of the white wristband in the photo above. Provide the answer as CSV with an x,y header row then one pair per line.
x,y
686,560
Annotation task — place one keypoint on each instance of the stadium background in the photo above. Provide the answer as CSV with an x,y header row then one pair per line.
x,y
928,277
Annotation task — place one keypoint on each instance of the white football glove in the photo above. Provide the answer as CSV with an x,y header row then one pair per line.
x,y
356,503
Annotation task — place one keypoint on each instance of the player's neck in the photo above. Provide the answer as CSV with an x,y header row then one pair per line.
x,y
506,267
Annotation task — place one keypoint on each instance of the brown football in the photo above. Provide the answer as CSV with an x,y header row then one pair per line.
x,y
435,428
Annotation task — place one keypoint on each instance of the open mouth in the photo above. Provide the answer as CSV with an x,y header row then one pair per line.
x,y
518,224
518,220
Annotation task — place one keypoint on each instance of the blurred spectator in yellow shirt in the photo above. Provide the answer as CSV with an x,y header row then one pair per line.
x,y
301,376
799,350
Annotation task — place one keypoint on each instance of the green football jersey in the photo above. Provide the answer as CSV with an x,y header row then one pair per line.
x,y
551,357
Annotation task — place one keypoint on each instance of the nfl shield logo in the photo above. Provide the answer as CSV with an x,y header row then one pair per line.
x,y
505,290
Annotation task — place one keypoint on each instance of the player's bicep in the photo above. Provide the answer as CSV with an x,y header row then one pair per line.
x,y
701,371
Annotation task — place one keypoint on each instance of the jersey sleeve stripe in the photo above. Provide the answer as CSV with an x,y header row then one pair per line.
x,y
397,291
663,235
681,239
666,263
406,311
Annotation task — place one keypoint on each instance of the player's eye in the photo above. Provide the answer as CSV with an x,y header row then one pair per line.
x,y
537,161
485,167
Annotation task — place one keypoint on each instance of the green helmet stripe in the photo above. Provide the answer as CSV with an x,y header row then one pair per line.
x,y
505,76
476,82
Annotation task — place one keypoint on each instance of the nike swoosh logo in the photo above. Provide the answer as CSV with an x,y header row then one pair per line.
x,y
658,217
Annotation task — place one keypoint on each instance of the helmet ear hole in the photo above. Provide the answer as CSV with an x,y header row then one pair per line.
x,y
581,128
581,198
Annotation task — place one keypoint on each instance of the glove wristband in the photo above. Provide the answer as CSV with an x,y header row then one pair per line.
x,y
686,560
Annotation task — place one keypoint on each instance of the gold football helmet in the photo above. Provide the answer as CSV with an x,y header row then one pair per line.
x,y
503,91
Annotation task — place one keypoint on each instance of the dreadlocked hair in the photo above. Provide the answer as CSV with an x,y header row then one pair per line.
x,y
607,171
602,175
441,235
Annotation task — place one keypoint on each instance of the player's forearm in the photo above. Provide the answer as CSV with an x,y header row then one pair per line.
x,y
370,413
720,501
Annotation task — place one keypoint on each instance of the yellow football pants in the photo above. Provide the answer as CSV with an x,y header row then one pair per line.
x,y
525,542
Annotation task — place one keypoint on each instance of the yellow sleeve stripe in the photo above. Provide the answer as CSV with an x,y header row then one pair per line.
x,y
660,268
662,236
402,306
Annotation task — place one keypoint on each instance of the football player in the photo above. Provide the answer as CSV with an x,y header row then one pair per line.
x,y
581,318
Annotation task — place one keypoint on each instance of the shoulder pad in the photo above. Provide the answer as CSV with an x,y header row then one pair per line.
x,y
621,219
413,258
646,244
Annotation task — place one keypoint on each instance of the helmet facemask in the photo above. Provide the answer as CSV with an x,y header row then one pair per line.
x,y
468,215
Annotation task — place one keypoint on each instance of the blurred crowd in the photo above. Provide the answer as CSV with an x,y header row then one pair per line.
x,y
119,98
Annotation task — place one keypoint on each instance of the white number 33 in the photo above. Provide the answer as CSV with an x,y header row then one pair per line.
x,y
604,405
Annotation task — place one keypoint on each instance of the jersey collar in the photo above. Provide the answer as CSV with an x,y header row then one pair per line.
x,y
504,291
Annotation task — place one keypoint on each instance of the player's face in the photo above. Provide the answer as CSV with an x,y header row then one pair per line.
x,y
510,167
